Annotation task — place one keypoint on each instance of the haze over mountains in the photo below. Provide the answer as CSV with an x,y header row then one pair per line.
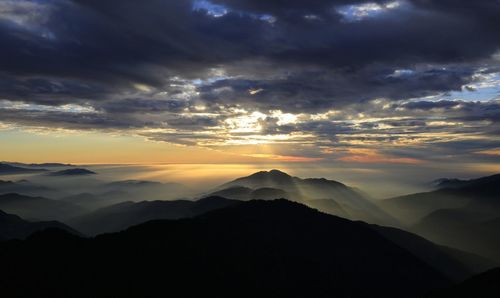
x,y
256,232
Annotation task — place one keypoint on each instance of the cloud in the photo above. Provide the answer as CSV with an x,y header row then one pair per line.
x,y
218,73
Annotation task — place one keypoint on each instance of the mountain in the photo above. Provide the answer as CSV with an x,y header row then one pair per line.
x,y
14,227
73,172
141,190
91,201
484,285
245,193
249,249
123,215
6,169
463,228
464,215
26,187
448,183
455,264
38,165
480,194
38,208
274,184
409,209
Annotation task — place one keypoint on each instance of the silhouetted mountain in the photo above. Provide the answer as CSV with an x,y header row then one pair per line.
x,y
411,208
484,285
25,187
245,193
6,169
38,165
14,227
147,190
275,184
268,193
91,201
236,193
448,183
251,249
123,215
73,172
477,194
466,229
461,215
455,264
38,208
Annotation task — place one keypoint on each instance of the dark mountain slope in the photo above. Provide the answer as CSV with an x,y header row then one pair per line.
x,y
14,227
251,249
484,285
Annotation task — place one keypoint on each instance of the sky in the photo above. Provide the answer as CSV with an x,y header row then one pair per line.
x,y
366,85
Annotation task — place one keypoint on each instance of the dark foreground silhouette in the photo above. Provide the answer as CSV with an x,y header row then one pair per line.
x,y
484,285
258,248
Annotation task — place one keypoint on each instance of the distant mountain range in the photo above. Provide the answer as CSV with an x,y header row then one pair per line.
x,y
25,187
38,208
124,215
14,227
465,214
73,172
255,248
6,169
37,165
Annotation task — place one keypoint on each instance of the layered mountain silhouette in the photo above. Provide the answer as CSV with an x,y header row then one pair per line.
x,y
464,214
249,249
26,187
38,165
38,208
7,169
14,227
141,190
92,201
327,195
124,215
73,172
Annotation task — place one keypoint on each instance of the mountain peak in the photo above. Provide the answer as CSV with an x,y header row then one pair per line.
x,y
273,173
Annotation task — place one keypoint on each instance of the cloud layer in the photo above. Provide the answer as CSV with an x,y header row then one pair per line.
x,y
320,79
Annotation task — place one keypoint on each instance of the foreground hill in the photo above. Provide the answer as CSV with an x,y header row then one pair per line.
x,y
484,285
250,249
454,264
327,195
14,227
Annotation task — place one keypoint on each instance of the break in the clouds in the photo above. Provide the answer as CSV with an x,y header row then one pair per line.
x,y
363,81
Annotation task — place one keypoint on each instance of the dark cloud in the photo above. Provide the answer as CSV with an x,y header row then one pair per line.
x,y
165,65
